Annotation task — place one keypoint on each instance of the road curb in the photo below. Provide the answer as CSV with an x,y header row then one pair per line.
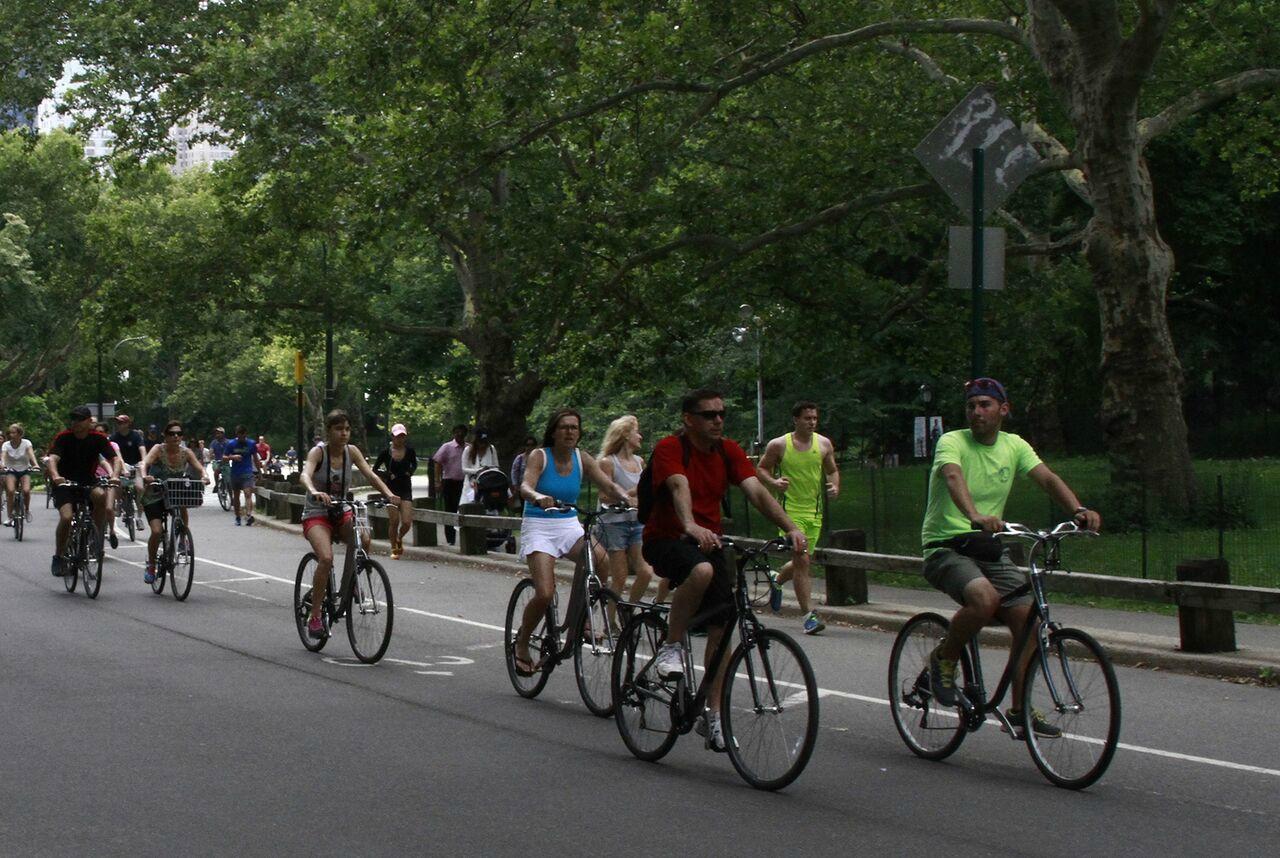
x,y
1132,650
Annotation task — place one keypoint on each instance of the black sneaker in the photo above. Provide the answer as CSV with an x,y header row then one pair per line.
x,y
249,521
942,679
1019,723
115,542
57,567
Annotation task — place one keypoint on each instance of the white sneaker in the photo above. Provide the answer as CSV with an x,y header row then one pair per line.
x,y
708,726
670,660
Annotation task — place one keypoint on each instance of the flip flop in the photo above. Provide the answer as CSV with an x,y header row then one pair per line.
x,y
524,666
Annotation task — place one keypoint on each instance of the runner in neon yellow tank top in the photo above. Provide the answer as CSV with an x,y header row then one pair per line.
x,y
801,458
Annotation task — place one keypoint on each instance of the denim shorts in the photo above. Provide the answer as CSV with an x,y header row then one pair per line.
x,y
620,535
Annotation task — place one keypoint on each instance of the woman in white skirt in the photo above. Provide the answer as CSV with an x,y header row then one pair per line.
x,y
552,476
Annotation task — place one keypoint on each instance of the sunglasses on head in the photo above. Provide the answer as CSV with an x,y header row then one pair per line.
x,y
710,415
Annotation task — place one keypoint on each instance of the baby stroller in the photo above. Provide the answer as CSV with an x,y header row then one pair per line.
x,y
493,487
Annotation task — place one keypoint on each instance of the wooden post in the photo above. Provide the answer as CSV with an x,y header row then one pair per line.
x,y
847,586
1206,629
295,509
381,526
424,532
471,539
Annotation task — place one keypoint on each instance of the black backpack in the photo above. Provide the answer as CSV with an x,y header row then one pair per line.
x,y
647,495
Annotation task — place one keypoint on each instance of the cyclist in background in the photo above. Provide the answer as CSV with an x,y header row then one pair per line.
x,y
74,455
622,533
802,458
243,455
111,470
217,452
973,471
167,461
18,456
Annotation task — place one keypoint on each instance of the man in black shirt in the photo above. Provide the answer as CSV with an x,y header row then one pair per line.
x,y
74,456
129,440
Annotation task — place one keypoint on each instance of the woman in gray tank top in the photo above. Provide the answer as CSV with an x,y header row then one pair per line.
x,y
621,533
167,461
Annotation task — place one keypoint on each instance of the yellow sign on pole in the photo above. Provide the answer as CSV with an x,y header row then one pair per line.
x,y
299,368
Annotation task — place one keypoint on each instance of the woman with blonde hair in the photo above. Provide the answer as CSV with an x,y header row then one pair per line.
x,y
18,460
621,532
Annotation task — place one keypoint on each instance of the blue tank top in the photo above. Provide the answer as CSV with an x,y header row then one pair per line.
x,y
565,489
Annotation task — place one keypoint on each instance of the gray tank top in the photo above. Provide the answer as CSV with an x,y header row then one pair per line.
x,y
628,481
330,480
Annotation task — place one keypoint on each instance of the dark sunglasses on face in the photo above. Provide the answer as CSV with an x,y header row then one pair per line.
x,y
176,433
711,415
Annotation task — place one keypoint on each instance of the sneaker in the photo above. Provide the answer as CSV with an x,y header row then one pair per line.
x,y
708,726
113,539
942,678
57,567
1019,724
315,628
775,593
8,522
813,624
28,515
149,576
249,521
670,661
237,521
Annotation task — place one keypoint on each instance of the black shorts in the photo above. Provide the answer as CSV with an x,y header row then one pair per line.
x,y
674,560
67,494
154,509
401,487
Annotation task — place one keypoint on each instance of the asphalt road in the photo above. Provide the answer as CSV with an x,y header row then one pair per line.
x,y
138,725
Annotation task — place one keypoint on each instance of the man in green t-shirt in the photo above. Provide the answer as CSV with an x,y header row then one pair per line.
x,y
973,470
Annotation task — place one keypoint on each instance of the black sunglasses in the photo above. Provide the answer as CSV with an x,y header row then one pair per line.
x,y
177,433
710,415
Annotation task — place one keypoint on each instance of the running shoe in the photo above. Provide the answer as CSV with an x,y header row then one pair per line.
x,y
115,541
775,592
57,567
813,623
942,678
237,521
249,521
670,661
149,576
315,628
1019,723
708,727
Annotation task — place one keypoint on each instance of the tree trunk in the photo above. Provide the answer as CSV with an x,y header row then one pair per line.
x,y
505,396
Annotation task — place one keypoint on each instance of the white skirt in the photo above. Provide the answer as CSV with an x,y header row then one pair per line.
x,y
554,536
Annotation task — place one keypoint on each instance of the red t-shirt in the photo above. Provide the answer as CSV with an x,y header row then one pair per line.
x,y
707,484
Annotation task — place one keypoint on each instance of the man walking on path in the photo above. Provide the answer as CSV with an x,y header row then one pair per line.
x,y
801,458
449,474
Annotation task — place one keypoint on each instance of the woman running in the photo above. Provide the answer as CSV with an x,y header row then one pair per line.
x,y
332,463
397,462
166,461
553,476
621,532
18,458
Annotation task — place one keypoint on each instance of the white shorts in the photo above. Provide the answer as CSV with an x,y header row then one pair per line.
x,y
554,536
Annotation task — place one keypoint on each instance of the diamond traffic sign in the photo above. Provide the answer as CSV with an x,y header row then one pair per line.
x,y
977,122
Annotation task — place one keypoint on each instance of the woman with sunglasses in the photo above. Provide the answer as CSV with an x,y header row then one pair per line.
x,y
166,461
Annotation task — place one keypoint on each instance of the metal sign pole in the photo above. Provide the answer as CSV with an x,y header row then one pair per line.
x,y
979,356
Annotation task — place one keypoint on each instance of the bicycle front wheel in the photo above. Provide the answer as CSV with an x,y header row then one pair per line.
x,y
641,700
371,612
90,552
931,730
1079,703
769,710
183,570
303,583
19,514
542,642
130,520
597,634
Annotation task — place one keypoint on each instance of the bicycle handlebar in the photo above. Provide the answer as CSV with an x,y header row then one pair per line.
x,y
1013,530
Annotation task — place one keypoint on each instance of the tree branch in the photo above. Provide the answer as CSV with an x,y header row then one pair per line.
x,y
1137,54
929,64
1204,98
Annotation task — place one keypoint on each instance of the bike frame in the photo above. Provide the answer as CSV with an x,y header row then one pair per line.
x,y
352,560
584,578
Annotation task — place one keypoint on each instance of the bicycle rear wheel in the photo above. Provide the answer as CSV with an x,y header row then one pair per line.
x,y
597,634
1087,710
930,730
224,495
371,613
19,514
90,552
130,520
71,562
303,583
183,568
542,642
641,700
769,710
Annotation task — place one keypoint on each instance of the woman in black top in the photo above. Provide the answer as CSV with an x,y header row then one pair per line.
x,y
396,464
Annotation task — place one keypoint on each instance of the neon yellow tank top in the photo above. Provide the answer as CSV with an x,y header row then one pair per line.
x,y
803,469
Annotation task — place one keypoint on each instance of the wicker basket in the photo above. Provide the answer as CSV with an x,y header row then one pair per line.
x,y
183,493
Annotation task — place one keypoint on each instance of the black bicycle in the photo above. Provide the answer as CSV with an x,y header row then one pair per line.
x,y
83,558
769,701
176,558
1070,696
364,598
127,507
19,512
590,628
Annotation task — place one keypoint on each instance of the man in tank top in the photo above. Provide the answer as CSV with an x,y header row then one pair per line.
x,y
805,466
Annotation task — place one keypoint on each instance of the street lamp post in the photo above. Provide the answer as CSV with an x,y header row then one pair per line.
x,y
926,397
751,325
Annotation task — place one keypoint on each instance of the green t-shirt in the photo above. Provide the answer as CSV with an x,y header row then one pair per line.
x,y
988,471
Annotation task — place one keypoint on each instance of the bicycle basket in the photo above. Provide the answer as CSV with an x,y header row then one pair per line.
x,y
182,494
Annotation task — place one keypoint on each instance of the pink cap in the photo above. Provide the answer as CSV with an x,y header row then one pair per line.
x,y
398,429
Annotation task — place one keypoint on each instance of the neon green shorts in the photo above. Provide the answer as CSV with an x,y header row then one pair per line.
x,y
812,528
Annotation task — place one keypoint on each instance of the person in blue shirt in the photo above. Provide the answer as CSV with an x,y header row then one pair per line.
x,y
218,450
242,452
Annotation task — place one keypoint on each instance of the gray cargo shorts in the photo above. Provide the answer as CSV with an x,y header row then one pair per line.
x,y
950,571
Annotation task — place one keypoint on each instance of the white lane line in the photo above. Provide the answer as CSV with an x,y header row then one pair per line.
x,y
822,692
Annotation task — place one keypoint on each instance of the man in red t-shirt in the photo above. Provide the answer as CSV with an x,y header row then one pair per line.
x,y
687,504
